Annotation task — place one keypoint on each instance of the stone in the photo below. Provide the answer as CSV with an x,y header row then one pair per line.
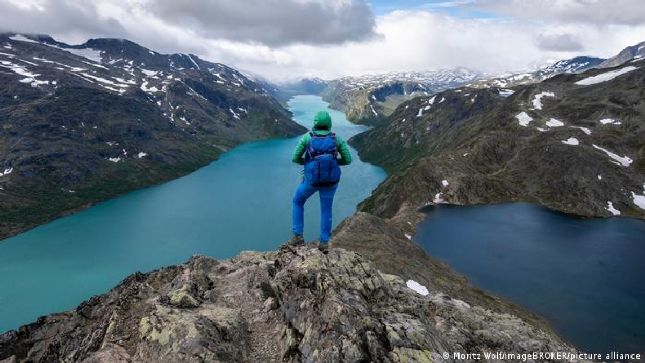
x,y
334,307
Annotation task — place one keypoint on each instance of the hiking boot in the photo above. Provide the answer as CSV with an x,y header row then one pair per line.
x,y
324,247
296,241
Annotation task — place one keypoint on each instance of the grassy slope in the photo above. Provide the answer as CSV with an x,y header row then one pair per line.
x,y
487,157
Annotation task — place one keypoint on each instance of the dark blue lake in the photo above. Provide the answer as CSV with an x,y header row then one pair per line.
x,y
218,210
585,276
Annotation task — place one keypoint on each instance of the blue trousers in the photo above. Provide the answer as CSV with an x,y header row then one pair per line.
x,y
326,195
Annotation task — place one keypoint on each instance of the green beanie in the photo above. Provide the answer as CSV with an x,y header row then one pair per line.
x,y
322,120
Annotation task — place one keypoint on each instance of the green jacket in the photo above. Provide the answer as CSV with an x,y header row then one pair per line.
x,y
341,146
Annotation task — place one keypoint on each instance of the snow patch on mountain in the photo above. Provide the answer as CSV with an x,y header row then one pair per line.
x,y
616,159
148,72
609,121
506,92
144,87
30,77
604,77
586,130
193,61
611,209
554,123
639,200
523,118
22,38
235,114
571,141
417,287
537,100
373,111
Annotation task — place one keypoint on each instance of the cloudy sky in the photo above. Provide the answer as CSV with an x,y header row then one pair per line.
x,y
329,38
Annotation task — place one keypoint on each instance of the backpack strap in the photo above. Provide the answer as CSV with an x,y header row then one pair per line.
x,y
309,150
332,135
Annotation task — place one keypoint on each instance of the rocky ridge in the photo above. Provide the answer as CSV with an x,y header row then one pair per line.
x,y
631,53
296,304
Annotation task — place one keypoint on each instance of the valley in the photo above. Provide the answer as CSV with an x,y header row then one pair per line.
x,y
127,137
82,124
219,210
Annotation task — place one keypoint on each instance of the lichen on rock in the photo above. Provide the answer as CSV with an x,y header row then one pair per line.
x,y
296,304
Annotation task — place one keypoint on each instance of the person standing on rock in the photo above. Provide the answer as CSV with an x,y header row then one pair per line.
x,y
319,152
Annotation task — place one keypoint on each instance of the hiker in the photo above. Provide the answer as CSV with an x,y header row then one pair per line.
x,y
318,151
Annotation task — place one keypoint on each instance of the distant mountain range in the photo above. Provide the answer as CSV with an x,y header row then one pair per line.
x,y
83,123
302,86
573,65
371,98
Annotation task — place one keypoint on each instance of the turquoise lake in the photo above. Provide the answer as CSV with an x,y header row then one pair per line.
x,y
585,276
218,210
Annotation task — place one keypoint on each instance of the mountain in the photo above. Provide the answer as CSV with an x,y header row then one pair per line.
x,y
301,86
574,143
635,52
573,65
84,123
285,90
293,305
371,98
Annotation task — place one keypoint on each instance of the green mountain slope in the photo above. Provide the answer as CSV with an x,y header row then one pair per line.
x,y
81,124
574,143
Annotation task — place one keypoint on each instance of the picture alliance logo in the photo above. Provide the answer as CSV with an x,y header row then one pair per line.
x,y
541,356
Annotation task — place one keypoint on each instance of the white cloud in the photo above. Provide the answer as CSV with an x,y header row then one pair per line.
x,y
597,12
414,40
70,19
559,42
409,40
271,22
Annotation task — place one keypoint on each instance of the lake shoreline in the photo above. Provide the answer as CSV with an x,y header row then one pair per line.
x,y
598,289
406,221
12,232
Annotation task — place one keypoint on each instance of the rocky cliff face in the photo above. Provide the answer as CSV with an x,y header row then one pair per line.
x,y
80,124
574,143
628,54
296,305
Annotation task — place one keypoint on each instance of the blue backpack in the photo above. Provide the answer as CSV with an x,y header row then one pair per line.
x,y
321,165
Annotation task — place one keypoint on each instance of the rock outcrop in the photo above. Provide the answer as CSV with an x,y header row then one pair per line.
x,y
633,52
297,304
